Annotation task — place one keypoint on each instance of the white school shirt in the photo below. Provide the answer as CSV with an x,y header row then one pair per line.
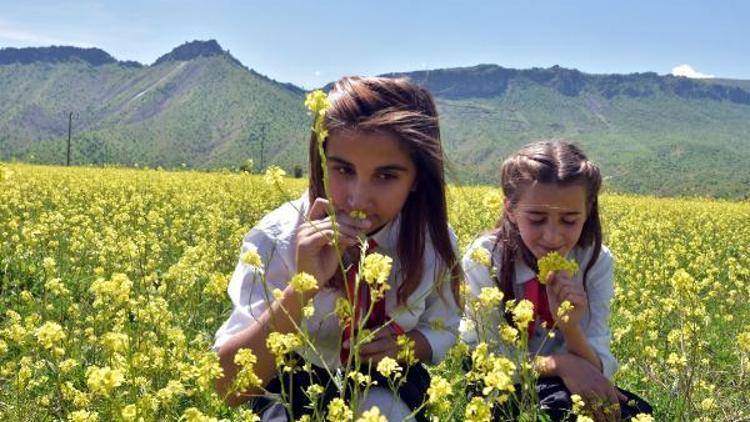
x,y
435,314
595,321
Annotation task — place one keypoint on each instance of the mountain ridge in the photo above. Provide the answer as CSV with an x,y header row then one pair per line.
x,y
198,105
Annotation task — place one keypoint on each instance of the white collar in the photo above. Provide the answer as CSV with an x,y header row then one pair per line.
x,y
387,236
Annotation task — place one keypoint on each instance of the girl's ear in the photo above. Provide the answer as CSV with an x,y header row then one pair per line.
x,y
509,211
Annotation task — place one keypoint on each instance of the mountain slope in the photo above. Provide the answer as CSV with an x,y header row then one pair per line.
x,y
198,106
650,133
203,109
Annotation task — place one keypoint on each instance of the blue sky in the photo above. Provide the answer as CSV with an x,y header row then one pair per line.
x,y
310,43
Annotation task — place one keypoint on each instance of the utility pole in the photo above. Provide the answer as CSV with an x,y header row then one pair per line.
x,y
70,129
262,143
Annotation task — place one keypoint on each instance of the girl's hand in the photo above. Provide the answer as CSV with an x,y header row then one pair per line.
x,y
382,345
561,288
316,253
582,378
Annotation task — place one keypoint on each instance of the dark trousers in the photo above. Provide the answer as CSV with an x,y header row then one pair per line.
x,y
555,401
413,392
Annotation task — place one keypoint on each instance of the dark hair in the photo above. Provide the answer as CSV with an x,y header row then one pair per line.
x,y
406,111
549,162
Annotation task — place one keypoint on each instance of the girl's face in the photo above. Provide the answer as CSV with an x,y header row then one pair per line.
x,y
549,217
370,172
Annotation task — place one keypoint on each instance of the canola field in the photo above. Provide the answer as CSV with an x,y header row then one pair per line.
x,y
113,282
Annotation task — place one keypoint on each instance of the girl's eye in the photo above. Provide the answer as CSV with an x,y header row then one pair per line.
x,y
536,222
343,170
387,176
569,222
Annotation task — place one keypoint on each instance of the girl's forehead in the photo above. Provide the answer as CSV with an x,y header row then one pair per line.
x,y
368,149
552,197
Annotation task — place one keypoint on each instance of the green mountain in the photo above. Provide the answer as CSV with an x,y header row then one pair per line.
x,y
653,134
196,105
199,106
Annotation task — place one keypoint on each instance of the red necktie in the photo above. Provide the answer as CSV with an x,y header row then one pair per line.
x,y
378,316
536,293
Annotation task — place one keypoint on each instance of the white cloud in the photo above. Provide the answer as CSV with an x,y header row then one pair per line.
x,y
11,33
687,71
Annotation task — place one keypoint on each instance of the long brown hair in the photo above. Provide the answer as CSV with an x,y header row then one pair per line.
x,y
407,112
549,162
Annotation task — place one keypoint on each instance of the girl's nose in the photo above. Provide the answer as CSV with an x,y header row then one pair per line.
x,y
359,196
552,235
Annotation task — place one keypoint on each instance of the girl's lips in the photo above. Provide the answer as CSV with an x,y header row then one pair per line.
x,y
549,250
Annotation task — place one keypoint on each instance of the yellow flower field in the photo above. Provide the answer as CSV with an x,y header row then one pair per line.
x,y
113,281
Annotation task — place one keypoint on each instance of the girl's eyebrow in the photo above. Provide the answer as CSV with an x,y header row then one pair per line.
x,y
387,167
539,212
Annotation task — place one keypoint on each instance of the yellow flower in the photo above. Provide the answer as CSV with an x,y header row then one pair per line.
x,y
406,350
578,404
361,379
192,414
56,287
493,201
499,377
83,416
50,334
5,173
338,411
523,314
317,102
564,309
481,256
478,410
372,415
377,268
207,370
554,262
642,417
388,366
49,265
252,258
246,377
508,334
247,415
129,412
103,380
282,344
743,341
115,342
490,297
115,291
343,309
308,310
439,390
314,391
358,214
303,282
682,280
172,390
707,404
274,175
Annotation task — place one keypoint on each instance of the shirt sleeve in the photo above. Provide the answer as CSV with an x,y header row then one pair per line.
x,y
251,287
479,326
441,317
600,290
